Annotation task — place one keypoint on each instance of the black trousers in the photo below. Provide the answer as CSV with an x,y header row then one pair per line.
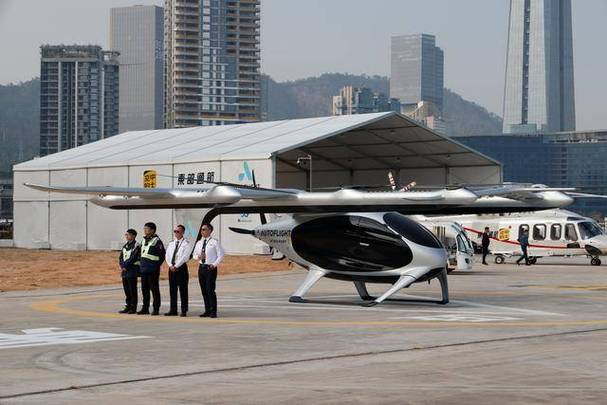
x,y
524,256
130,292
150,282
178,282
207,279
485,253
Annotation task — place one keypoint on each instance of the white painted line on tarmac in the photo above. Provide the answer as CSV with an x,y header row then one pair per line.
x,y
459,318
57,336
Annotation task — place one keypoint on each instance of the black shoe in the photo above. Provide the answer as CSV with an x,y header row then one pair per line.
x,y
155,313
486,264
170,313
183,314
205,315
144,312
132,311
126,310
213,316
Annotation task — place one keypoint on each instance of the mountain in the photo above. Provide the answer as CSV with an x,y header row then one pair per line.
x,y
312,97
19,123
466,118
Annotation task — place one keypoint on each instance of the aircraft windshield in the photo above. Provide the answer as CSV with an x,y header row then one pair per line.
x,y
589,229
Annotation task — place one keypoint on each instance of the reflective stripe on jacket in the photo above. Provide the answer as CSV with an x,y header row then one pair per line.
x,y
152,255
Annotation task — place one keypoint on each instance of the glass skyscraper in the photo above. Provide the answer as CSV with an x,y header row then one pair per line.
x,y
137,33
212,62
416,70
539,91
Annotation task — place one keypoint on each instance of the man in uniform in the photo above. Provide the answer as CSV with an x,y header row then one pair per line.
x,y
485,244
152,255
129,265
177,256
210,254
523,239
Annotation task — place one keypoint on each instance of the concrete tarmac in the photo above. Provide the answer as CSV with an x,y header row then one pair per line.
x,y
510,334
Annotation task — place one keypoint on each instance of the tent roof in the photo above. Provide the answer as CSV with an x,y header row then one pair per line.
x,y
386,139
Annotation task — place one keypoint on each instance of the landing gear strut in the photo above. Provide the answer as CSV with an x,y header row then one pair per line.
x,y
405,281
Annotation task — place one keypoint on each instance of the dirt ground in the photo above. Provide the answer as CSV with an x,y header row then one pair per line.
x,y
25,269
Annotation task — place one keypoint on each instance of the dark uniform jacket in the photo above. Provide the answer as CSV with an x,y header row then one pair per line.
x,y
485,241
152,255
524,241
129,259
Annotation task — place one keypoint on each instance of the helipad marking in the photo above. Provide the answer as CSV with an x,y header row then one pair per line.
x,y
55,306
57,336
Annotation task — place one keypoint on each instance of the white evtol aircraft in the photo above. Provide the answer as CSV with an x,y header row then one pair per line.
x,y
551,233
351,235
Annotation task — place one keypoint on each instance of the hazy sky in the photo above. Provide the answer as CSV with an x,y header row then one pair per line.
x,y
300,38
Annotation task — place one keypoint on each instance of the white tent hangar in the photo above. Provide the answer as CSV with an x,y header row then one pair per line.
x,y
345,150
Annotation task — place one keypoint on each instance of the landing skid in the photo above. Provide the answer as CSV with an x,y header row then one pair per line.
x,y
315,274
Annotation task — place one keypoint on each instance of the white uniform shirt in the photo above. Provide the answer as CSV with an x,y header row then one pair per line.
x,y
213,252
183,252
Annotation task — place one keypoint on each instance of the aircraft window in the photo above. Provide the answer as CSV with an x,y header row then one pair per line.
x,y
570,233
556,230
461,245
350,243
411,230
523,228
539,232
589,229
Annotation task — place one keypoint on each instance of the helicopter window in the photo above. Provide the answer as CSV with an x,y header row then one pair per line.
x,y
589,229
570,233
411,230
556,230
522,229
539,232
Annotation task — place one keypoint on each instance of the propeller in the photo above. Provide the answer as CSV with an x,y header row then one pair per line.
x,y
262,216
394,185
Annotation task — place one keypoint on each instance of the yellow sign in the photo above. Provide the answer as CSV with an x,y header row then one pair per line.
x,y
503,234
149,179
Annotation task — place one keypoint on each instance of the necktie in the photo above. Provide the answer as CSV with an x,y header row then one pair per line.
x,y
204,251
175,253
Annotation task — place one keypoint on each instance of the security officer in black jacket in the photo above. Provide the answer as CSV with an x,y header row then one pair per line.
x,y
129,265
485,244
152,256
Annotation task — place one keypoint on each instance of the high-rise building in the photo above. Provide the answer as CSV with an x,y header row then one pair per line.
x,y
539,91
362,100
212,62
426,113
137,33
416,69
78,96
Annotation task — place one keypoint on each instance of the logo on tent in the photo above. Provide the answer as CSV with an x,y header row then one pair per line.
x,y
246,173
